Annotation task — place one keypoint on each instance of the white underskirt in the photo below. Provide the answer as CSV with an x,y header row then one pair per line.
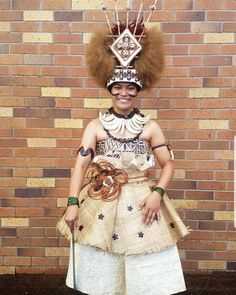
x,y
101,273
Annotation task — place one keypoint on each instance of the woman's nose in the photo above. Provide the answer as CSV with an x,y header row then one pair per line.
x,y
123,91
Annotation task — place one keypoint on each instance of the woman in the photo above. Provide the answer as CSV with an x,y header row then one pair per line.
x,y
124,227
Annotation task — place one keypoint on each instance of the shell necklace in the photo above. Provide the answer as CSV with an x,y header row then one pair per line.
x,y
133,122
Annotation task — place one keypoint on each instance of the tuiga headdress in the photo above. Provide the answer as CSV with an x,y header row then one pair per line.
x,y
126,51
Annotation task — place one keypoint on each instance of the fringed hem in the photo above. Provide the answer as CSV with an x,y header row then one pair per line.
x,y
64,230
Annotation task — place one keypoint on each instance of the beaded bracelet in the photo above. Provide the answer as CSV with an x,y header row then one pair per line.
x,y
159,190
72,201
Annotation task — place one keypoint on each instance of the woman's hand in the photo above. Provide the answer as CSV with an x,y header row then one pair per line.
x,y
151,208
71,217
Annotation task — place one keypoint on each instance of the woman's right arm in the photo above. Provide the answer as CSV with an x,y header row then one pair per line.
x,y
81,165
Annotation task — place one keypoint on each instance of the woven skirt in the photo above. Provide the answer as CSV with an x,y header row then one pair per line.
x,y
97,272
116,226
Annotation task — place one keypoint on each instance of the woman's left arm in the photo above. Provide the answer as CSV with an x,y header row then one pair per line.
x,y
160,150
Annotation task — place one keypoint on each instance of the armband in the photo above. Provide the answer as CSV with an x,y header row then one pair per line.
x,y
85,153
72,201
159,190
168,147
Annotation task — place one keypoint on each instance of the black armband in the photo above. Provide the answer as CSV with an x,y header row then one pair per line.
x,y
168,147
85,153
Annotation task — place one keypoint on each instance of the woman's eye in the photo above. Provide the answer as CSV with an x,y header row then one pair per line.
x,y
117,87
131,88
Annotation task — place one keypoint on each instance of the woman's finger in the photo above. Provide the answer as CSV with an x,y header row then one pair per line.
x,y
148,217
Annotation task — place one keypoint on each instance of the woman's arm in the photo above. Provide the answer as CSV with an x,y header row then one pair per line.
x,y
82,162
153,201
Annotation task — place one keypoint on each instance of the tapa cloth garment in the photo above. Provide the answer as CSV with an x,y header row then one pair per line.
x,y
117,227
101,273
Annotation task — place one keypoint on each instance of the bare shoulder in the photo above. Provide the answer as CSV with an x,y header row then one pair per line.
x,y
93,125
154,133
152,127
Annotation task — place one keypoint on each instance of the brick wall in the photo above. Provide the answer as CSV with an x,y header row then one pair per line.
x,y
47,98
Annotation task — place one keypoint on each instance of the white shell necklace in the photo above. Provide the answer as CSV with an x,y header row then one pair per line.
x,y
133,122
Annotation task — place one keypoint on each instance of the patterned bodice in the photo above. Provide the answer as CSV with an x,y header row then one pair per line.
x,y
114,148
131,153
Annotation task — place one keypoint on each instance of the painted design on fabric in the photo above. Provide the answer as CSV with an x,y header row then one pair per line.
x,y
101,216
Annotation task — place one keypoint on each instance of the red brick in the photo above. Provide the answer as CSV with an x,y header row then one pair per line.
x,y
4,4
190,15
199,215
188,38
219,103
176,49
10,38
26,91
30,232
68,16
46,222
186,60
11,15
199,175
57,49
55,71
212,165
68,60
221,15
24,48
25,4
190,265
45,261
36,252
225,255
229,27
205,49
56,27
15,261
25,212
55,4
17,242
39,81
67,38
186,82
25,70
212,225
172,4
25,26
7,212
44,242
217,82
4,70
40,123
217,60
206,245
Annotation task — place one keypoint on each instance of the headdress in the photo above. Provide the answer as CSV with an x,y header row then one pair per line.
x,y
127,51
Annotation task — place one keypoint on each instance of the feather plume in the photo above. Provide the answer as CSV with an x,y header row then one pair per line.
x,y
150,62
100,61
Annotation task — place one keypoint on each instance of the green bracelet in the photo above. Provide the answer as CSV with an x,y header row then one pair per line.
x,y
72,201
159,190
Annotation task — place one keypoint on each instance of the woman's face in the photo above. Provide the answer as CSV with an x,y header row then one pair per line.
x,y
124,95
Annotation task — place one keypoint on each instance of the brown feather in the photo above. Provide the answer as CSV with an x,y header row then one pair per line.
x,y
150,62
100,61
